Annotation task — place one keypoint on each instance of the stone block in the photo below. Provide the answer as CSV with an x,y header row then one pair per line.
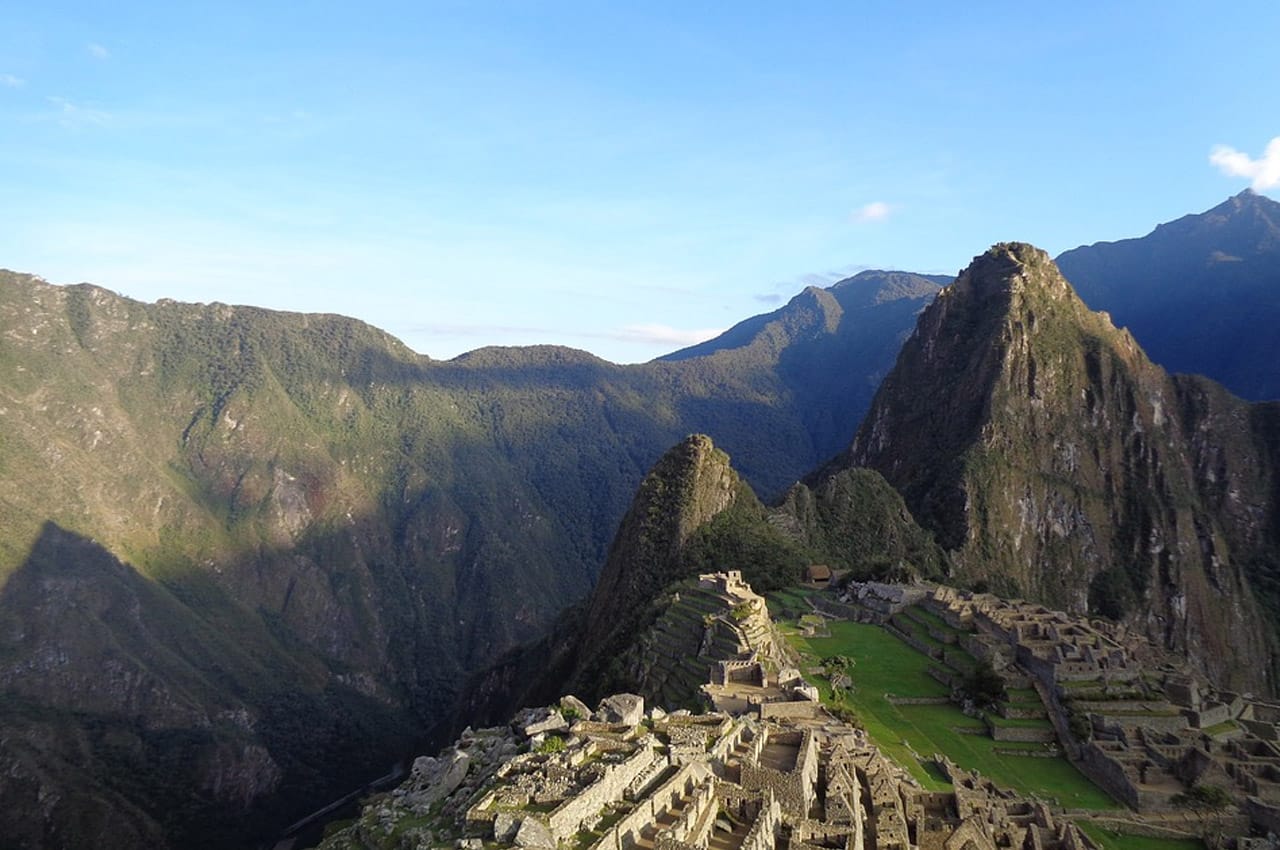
x,y
621,708
505,827
539,721
535,835
569,704
436,778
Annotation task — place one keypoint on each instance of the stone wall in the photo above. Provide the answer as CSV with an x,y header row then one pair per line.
x,y
567,818
1212,715
692,824
622,835
897,700
729,741
794,789
764,832
1158,722
1267,816
844,612
1023,734
798,708
1108,774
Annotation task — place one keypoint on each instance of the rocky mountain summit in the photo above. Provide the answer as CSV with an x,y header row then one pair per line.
x,y
1052,458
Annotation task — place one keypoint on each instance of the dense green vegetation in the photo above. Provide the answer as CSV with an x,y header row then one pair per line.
x,y
330,506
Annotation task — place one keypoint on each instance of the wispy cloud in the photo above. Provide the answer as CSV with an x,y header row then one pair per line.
x,y
782,290
1264,172
874,211
97,51
9,81
646,334
74,116
664,334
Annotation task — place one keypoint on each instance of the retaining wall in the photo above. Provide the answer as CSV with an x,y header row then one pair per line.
x,y
567,818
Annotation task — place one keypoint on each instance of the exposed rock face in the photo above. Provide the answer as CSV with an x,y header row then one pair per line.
x,y
1052,458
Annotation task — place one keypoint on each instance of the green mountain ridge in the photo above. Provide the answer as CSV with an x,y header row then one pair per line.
x,y
370,523
693,514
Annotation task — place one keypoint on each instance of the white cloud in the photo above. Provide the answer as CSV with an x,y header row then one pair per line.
x,y
73,116
97,51
874,211
644,334
9,81
1264,172
665,334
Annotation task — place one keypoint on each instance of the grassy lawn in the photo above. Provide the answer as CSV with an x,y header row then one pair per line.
x,y
1119,841
884,664
788,603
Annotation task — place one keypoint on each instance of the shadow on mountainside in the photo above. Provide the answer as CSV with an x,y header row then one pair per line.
x,y
130,717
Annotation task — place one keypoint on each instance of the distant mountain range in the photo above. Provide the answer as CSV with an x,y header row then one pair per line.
x,y
247,555
1200,294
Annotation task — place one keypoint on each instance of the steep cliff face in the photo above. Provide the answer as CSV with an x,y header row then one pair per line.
x,y
1053,459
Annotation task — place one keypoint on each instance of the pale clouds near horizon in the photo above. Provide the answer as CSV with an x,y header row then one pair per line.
x,y
1264,172
874,211
667,335
10,81
97,51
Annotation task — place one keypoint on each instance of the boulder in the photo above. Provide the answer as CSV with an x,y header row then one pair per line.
x,y
573,707
621,708
553,722
505,827
535,834
434,779
539,721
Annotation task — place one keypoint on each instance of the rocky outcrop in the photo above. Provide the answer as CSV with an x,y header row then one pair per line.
x,y
1053,459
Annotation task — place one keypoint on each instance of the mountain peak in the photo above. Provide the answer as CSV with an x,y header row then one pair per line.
x,y
1024,430
873,287
1208,276
1006,269
1245,202
688,485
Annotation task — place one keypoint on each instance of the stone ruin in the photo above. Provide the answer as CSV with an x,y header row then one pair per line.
x,y
766,775
715,782
1145,728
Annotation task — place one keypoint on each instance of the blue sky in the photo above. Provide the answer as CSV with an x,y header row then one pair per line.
x,y
624,178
